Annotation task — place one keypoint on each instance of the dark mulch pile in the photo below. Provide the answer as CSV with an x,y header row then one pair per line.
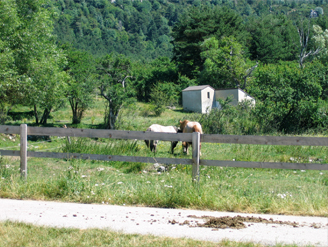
x,y
237,222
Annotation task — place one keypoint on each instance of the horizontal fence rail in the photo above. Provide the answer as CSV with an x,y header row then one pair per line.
x,y
272,165
8,129
195,138
266,140
144,135
98,133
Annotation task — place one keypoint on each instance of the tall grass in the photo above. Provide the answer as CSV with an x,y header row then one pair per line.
x,y
121,183
114,147
220,188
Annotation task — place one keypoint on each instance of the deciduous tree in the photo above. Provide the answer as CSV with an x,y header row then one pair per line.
x,y
114,76
33,56
80,88
306,51
225,65
287,97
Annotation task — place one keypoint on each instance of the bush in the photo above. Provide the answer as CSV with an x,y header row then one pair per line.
x,y
288,98
214,122
237,120
163,95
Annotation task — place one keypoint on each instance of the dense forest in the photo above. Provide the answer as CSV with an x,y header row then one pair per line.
x,y
57,52
143,29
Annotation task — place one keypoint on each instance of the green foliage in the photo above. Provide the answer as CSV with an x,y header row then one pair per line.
x,y
274,38
225,65
310,47
184,82
319,10
216,43
228,119
143,29
131,28
221,188
114,72
81,68
198,24
321,40
288,97
31,57
149,75
163,94
212,123
8,70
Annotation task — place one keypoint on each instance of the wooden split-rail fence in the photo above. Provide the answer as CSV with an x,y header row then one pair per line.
x,y
23,130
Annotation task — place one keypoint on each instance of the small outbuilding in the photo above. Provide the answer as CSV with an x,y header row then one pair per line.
x,y
203,98
198,98
237,94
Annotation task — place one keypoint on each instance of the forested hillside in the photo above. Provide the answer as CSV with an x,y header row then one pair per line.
x,y
143,28
65,52
133,28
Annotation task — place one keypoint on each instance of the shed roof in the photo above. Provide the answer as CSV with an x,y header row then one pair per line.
x,y
196,88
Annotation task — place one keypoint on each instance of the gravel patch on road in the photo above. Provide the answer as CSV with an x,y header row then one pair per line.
x,y
201,225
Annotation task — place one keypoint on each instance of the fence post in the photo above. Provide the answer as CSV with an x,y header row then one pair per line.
x,y
195,156
23,150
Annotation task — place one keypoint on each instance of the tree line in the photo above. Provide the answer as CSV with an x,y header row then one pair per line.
x,y
53,52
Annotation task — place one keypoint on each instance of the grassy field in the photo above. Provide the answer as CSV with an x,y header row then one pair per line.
x,y
19,234
274,191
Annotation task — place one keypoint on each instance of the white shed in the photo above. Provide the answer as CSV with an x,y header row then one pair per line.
x,y
203,98
237,94
198,98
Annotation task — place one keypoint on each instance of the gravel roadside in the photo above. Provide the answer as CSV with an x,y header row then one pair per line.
x,y
168,222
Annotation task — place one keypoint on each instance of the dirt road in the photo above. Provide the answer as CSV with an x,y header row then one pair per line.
x,y
201,225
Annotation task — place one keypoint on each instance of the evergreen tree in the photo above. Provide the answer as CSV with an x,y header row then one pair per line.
x,y
197,25
274,38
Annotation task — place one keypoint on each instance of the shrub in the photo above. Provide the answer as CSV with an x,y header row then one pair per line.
x,y
237,120
163,95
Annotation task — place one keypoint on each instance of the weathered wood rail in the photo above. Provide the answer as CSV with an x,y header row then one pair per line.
x,y
195,138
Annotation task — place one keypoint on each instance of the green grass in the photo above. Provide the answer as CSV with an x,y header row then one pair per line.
x,y
20,234
273,191
223,189
220,188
